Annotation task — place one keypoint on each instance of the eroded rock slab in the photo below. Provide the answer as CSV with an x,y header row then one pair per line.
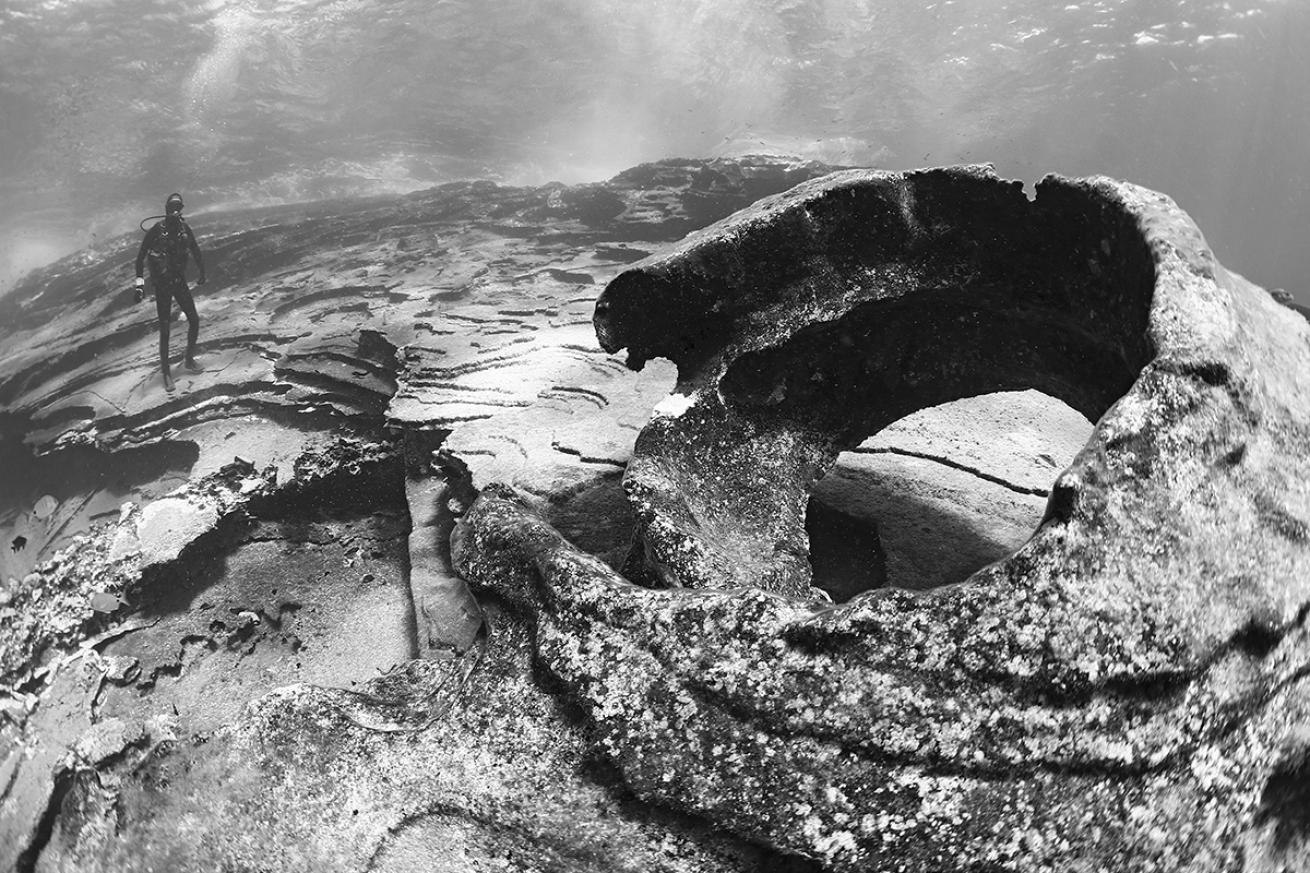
x,y
343,344
457,305
1126,691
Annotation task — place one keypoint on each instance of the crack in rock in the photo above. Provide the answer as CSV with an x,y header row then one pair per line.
x,y
954,465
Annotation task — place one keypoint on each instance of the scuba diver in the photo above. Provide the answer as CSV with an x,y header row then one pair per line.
x,y
166,247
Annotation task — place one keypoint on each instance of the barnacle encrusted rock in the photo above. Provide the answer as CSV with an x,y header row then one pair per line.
x,y
1127,691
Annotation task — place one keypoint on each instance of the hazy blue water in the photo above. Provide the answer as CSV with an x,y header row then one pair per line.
x,y
106,107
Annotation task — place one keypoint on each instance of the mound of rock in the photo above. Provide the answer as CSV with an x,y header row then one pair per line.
x,y
1125,691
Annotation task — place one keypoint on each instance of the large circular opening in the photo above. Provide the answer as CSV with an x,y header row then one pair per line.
x,y
941,493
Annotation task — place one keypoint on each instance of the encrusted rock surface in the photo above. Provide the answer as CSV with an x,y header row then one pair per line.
x,y
1128,690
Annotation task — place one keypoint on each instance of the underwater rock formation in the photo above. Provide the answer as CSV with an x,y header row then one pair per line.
x,y
234,635
281,519
1128,690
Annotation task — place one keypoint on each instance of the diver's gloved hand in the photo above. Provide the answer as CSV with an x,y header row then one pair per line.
x,y
140,289
201,280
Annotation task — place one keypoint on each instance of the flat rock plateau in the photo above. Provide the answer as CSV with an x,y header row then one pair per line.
x,y
924,526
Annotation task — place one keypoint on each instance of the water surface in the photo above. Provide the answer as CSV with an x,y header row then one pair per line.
x,y
108,105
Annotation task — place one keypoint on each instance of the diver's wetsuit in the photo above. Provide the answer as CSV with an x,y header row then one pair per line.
x,y
166,247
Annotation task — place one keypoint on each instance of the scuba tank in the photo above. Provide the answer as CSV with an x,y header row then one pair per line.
x,y
155,261
160,257
148,288
164,259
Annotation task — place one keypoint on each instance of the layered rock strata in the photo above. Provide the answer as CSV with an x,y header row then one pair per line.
x,y
170,558
1128,690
